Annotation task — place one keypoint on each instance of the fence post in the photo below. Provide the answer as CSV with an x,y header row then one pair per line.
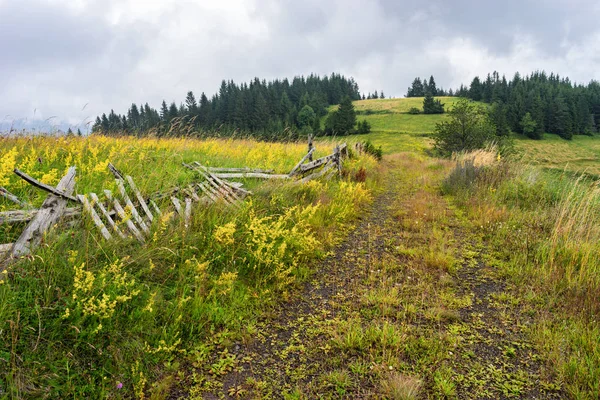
x,y
310,146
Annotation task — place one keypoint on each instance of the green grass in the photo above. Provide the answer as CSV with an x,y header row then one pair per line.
x,y
582,154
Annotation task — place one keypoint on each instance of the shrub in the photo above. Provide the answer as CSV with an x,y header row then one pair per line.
x,y
414,111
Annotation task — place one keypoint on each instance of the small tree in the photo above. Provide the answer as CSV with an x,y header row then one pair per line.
x,y
363,127
529,126
468,128
342,121
431,105
306,117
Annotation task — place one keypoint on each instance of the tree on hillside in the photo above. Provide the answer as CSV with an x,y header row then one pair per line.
x,y
431,105
468,128
528,126
306,117
191,104
497,115
432,88
342,121
416,89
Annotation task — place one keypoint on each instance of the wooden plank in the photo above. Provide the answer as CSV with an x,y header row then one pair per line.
x,y
115,171
317,163
155,207
9,196
192,192
244,169
177,205
237,186
131,207
49,213
307,156
241,175
221,191
107,215
203,186
188,211
16,216
90,210
5,248
221,184
319,173
139,197
121,213
55,191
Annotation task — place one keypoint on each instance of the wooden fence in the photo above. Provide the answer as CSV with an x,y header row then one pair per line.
x,y
129,214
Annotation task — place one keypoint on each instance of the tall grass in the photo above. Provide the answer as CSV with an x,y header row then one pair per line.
x,y
546,228
86,318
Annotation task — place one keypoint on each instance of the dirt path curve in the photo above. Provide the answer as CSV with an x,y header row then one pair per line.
x,y
406,307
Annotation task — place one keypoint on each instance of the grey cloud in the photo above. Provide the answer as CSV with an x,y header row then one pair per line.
x,y
56,59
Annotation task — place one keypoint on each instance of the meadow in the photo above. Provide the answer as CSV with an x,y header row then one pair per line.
x,y
86,318
473,277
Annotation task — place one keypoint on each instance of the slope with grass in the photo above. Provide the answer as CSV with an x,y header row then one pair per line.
x,y
474,278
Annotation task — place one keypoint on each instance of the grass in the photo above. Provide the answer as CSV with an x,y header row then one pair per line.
x,y
86,318
582,154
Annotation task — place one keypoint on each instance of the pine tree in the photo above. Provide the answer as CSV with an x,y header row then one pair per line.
x,y
164,112
432,87
191,104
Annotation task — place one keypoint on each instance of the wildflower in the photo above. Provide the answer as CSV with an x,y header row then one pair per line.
x,y
119,385
224,234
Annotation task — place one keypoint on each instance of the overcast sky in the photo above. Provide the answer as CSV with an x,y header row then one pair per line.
x,y
74,59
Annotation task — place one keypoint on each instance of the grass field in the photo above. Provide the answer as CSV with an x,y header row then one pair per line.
x,y
396,130
461,280
582,154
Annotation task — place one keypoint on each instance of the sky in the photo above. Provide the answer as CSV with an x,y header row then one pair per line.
x,y
62,62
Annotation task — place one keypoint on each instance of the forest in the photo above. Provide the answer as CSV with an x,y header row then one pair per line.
x,y
264,109
530,105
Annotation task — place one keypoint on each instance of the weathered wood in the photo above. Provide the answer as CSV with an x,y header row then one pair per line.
x,y
237,186
90,210
139,197
188,212
55,191
337,159
222,191
208,192
317,163
115,171
319,173
310,147
297,167
244,169
129,204
5,248
49,213
240,175
107,215
218,183
192,193
16,216
9,196
121,213
177,205
155,207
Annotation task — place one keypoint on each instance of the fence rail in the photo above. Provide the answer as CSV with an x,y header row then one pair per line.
x,y
130,213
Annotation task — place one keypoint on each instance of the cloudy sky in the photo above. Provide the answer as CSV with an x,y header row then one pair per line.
x,y
74,59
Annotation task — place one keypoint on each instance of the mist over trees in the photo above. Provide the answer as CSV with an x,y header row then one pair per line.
x,y
277,109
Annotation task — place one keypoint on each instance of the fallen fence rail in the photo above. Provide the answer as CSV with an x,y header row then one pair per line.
x,y
130,213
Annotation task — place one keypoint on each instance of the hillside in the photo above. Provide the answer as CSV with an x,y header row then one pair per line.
x,y
395,130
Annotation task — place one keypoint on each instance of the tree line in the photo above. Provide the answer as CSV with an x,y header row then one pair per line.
x,y
529,105
276,109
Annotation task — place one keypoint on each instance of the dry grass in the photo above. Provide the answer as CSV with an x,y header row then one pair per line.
x,y
401,387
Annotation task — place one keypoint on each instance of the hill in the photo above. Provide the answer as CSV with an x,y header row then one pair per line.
x,y
395,130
